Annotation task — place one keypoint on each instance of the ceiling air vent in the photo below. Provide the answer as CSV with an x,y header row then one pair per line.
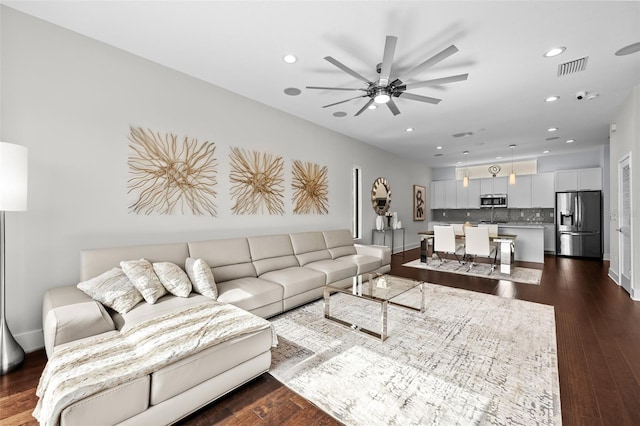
x,y
463,134
577,65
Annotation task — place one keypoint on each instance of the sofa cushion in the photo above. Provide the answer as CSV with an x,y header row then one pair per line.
x,y
112,289
164,305
229,259
250,293
365,263
309,247
144,279
271,253
339,243
182,375
296,280
334,270
201,277
173,278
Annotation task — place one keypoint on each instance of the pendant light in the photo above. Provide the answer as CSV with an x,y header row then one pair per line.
x,y
465,179
512,175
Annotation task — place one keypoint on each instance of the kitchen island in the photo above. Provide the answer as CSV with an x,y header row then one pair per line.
x,y
529,244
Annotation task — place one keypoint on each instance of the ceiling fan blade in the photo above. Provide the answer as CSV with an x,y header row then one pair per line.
x,y
387,59
345,68
346,100
437,81
392,106
364,107
405,95
332,88
431,61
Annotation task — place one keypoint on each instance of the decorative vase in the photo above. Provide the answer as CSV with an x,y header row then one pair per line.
x,y
389,221
394,220
379,223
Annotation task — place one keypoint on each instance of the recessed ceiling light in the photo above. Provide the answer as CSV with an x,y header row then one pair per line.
x,y
465,152
570,141
458,162
554,52
373,106
498,157
552,98
339,114
438,147
292,91
290,59
552,129
409,129
627,50
546,151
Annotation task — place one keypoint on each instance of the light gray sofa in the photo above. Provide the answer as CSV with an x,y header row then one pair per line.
x,y
265,275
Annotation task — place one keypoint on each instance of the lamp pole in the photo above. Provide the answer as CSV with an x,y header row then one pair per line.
x,y
11,354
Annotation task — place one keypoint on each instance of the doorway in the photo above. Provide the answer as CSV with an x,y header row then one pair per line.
x,y
624,223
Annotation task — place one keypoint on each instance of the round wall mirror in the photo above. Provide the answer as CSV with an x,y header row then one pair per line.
x,y
381,196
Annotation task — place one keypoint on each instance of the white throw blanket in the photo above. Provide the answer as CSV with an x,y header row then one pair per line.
x,y
92,365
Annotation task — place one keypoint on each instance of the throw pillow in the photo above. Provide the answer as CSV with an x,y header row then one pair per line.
x,y
141,274
201,277
113,289
173,278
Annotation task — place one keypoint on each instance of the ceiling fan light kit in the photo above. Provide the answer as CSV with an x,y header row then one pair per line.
x,y
384,89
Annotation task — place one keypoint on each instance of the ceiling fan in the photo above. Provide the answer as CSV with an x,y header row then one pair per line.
x,y
383,90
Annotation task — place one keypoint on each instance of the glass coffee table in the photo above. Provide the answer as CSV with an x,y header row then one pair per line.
x,y
382,289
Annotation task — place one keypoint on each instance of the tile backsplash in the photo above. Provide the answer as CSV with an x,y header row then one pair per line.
x,y
538,215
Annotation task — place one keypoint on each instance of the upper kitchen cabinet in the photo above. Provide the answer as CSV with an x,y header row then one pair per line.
x,y
469,197
450,194
542,192
519,194
579,180
497,185
438,194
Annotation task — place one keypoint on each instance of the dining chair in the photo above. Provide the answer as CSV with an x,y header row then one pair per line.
x,y
444,241
458,229
477,244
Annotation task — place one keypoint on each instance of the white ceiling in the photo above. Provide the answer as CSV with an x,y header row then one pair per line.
x,y
239,45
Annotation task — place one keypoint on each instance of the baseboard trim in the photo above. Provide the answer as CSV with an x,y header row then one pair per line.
x,y
614,276
31,340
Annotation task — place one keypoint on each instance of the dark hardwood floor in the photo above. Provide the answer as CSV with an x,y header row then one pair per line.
x,y
597,330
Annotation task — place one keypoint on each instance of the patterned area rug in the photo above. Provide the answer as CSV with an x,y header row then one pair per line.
x,y
470,359
518,274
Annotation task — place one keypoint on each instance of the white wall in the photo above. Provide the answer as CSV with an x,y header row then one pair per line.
x,y
625,140
71,100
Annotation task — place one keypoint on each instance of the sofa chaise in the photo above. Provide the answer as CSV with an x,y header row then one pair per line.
x,y
263,275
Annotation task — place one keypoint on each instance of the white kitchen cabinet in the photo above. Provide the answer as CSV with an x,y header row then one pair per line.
x,y
590,179
579,180
438,194
469,197
550,238
542,191
497,185
450,194
519,194
566,180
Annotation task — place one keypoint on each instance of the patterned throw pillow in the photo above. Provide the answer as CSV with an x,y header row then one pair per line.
x,y
173,278
201,277
141,274
113,289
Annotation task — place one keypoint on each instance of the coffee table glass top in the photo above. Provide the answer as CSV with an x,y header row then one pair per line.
x,y
383,287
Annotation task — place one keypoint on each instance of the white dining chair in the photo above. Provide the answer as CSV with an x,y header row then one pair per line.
x,y
458,229
477,244
444,241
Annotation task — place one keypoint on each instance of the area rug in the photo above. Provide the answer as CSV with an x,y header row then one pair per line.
x,y
518,274
469,359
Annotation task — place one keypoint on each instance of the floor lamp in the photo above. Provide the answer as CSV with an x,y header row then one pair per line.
x,y
13,197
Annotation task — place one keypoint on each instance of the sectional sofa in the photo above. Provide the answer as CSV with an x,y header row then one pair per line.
x,y
264,275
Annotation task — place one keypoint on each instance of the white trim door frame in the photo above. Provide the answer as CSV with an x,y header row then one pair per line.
x,y
625,224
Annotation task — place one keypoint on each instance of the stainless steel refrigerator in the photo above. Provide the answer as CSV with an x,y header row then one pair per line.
x,y
579,224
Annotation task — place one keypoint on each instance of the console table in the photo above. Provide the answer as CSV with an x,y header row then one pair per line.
x,y
384,237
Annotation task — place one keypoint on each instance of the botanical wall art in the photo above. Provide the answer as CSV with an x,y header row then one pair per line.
x,y
168,175
310,188
257,182
419,202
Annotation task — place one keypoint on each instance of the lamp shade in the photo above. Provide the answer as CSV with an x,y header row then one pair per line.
x,y
13,177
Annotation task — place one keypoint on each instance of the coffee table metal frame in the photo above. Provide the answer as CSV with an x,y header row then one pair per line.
x,y
366,291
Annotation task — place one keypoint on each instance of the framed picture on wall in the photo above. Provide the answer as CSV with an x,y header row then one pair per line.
x,y
419,202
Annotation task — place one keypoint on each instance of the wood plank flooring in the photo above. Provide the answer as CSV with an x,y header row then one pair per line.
x,y
597,330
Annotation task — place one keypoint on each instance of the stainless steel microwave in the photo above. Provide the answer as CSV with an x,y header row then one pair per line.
x,y
488,201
